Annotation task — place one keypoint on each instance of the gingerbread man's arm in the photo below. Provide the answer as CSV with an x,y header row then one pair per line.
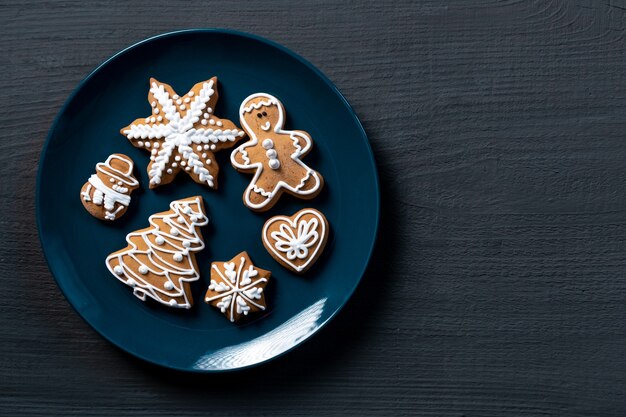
x,y
239,157
302,140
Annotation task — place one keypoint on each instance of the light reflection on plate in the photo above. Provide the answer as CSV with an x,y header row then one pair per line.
x,y
271,344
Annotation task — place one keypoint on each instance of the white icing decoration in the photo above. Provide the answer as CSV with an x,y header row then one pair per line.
x,y
274,163
288,245
176,274
236,289
179,133
267,144
296,137
266,126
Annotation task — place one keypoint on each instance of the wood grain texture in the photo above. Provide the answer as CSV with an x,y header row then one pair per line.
x,y
498,287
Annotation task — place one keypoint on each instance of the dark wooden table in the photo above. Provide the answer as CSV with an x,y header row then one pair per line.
x,y
498,287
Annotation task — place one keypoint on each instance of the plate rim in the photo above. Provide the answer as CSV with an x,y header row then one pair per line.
x,y
249,36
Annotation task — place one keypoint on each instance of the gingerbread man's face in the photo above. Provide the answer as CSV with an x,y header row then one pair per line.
x,y
262,114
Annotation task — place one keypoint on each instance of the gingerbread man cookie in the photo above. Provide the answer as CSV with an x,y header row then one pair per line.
x,y
273,154
106,194
182,133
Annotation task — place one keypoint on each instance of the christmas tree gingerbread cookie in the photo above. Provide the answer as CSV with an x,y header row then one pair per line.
x,y
296,242
106,194
159,261
274,155
183,133
237,286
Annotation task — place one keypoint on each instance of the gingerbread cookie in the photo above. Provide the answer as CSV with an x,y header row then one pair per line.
x,y
159,261
106,194
237,287
273,155
297,241
182,133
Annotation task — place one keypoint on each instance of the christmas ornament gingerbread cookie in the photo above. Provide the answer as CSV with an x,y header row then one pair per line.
x,y
273,154
106,194
237,286
183,133
159,261
296,242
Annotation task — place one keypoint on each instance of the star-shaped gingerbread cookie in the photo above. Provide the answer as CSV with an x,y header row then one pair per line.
x,y
237,287
182,133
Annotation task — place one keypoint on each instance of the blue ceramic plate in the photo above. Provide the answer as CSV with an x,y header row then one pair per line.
x,y
86,131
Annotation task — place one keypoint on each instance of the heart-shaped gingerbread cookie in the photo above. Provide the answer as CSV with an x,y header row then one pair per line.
x,y
297,241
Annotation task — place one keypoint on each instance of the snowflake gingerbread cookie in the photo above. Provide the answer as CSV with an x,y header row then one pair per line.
x,y
237,287
273,155
159,261
182,133
296,242
106,194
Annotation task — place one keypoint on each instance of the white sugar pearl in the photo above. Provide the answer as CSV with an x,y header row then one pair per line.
x,y
160,118
111,180
211,122
274,163
178,257
180,219
199,148
131,282
168,285
118,270
187,243
219,123
174,231
187,168
147,120
191,94
204,154
209,110
156,145
147,144
156,111
208,162
205,115
179,101
271,153
177,158
206,147
213,147
143,269
120,183
152,158
187,100
140,143
152,119
175,96
174,164
187,210
182,106
172,302
153,104
154,151
159,240
203,122
183,163
267,144
169,170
